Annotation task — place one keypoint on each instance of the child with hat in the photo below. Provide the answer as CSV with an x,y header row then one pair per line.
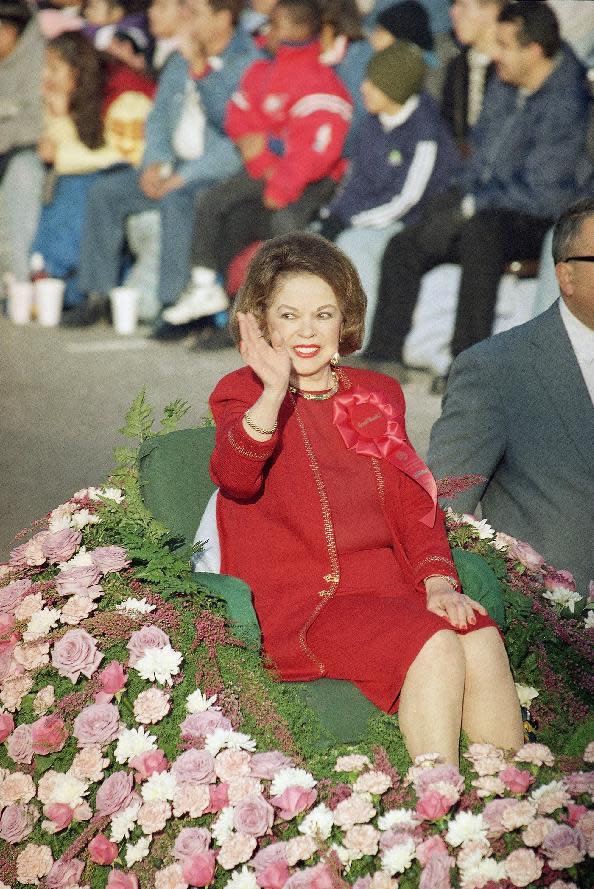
x,y
404,155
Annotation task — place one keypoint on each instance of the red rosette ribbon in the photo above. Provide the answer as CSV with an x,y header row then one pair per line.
x,y
371,425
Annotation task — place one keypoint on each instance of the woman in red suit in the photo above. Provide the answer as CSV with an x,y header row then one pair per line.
x,y
328,514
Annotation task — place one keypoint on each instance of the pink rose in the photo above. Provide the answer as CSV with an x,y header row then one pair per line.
x,y
266,765
82,580
254,816
97,724
109,558
434,845
219,797
574,813
199,725
146,637
194,767
269,855
118,879
433,805
523,553
29,554
436,873
115,793
20,744
149,763
198,870
7,625
16,823
318,877
102,850
113,679
75,653
191,841
65,873
6,726
12,595
61,814
516,780
563,579
274,876
61,545
293,801
49,734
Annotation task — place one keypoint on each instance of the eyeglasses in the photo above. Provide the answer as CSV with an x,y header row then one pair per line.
x,y
579,259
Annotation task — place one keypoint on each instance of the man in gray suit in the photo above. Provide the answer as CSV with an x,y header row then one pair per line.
x,y
519,410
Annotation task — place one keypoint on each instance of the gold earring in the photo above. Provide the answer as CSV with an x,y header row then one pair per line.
x,y
335,360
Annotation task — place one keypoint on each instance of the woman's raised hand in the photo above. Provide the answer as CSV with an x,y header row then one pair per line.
x,y
271,362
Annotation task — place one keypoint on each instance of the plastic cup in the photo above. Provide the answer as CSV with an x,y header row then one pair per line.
x,y
124,310
49,298
20,301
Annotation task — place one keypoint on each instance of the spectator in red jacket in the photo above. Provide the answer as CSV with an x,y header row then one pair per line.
x,y
289,120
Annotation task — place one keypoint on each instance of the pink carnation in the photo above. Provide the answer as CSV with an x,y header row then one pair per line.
x,y
235,850
293,801
145,637
516,780
75,653
65,874
253,815
20,744
97,724
232,764
434,845
266,765
199,725
432,806
191,841
153,816
580,782
523,867
149,763
13,594
102,850
535,754
79,580
274,876
119,879
564,846
49,734
535,833
16,823
60,546
194,767
436,873
355,809
151,706
191,799
109,558
433,779
6,726
115,793
29,554
198,869
493,814
556,579
526,555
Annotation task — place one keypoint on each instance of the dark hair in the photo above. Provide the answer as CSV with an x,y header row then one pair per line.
x,y
17,15
569,226
304,12
537,24
344,18
408,20
296,254
235,7
87,97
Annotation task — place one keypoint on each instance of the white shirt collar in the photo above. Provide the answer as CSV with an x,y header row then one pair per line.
x,y
580,335
389,121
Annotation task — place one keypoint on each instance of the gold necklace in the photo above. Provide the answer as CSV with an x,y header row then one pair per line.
x,y
317,396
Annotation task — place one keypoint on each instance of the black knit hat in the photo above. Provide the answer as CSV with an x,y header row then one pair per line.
x,y
408,21
17,12
398,71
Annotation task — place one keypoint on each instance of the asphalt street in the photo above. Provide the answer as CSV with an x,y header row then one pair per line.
x,y
63,396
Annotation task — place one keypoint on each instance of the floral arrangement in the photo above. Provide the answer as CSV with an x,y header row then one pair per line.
x,y
142,745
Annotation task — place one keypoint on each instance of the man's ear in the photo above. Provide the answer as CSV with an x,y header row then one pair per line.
x,y
564,275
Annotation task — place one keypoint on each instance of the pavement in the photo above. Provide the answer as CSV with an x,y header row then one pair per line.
x,y
64,393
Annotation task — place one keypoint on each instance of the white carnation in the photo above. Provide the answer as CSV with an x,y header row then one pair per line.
x,y
346,856
133,742
397,817
399,858
41,623
91,492
481,872
59,522
318,823
80,560
553,788
589,621
159,664
82,518
223,738
291,778
198,703
485,531
137,851
110,494
160,786
563,597
242,879
123,823
526,694
466,826
68,790
132,605
222,826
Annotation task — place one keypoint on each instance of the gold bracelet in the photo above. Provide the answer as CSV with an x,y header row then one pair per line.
x,y
451,580
257,429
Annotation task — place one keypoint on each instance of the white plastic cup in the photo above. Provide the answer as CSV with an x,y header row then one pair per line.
x,y
49,298
124,310
20,301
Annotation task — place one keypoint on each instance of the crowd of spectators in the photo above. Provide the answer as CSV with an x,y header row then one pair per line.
x,y
411,133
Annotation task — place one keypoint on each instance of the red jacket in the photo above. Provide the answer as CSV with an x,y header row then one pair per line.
x,y
294,100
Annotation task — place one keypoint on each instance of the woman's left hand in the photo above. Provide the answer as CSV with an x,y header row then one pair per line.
x,y
446,602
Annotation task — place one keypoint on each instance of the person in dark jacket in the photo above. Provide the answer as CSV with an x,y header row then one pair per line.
x,y
528,163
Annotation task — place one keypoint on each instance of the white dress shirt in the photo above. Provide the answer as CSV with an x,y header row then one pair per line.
x,y
581,338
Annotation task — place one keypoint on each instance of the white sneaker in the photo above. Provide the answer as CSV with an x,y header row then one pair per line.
x,y
202,297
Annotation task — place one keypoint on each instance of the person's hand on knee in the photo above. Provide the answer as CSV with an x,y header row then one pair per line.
x,y
444,601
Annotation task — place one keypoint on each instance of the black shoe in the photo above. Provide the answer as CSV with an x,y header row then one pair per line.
x,y
438,385
211,339
169,333
94,309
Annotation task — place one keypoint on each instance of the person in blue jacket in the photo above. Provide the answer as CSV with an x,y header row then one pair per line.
x,y
528,162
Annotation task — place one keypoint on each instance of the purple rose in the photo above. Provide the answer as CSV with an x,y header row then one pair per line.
x,y
253,815
146,637
29,554
194,767
269,855
75,653
12,595
97,724
266,765
16,823
109,558
191,841
115,793
61,545
199,725
20,744
79,580
65,873
580,782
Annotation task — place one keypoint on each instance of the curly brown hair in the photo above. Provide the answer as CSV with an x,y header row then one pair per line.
x,y
296,254
86,100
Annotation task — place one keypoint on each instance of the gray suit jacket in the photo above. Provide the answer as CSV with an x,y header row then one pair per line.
x,y
517,410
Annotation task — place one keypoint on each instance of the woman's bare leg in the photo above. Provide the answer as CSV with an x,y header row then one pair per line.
x,y
430,711
491,711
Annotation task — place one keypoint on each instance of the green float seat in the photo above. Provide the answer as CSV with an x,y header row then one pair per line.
x,y
176,487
